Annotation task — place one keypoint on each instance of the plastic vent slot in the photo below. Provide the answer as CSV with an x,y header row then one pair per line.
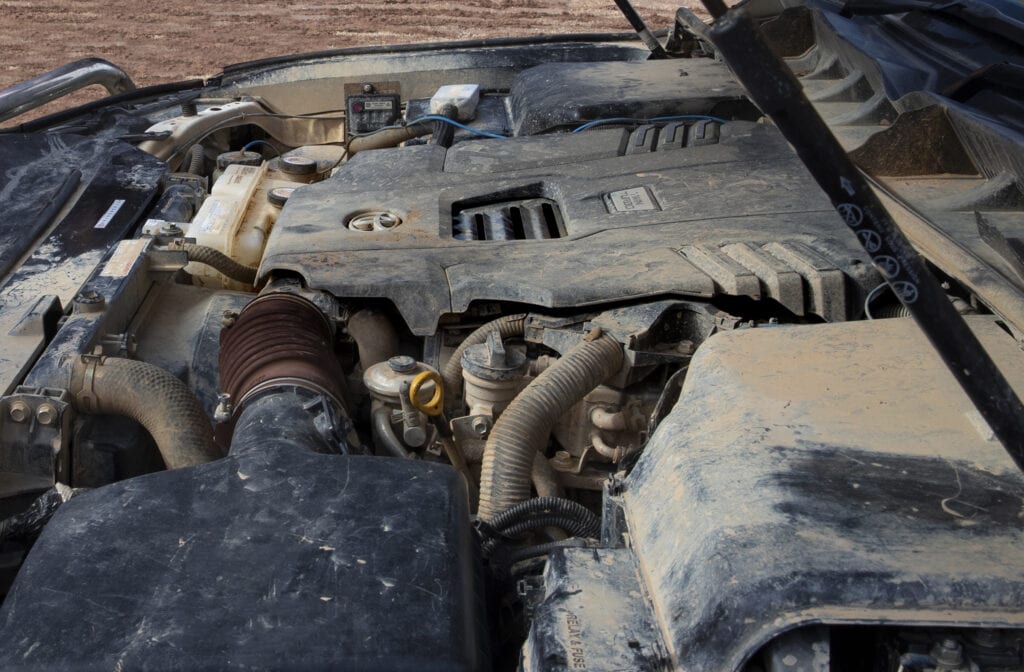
x,y
530,219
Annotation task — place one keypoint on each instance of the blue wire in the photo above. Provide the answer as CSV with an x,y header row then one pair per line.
x,y
634,120
261,142
437,117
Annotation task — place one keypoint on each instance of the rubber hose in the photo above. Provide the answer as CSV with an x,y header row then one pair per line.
x,y
544,480
510,326
589,525
383,432
392,137
201,254
525,425
196,159
155,399
278,418
375,336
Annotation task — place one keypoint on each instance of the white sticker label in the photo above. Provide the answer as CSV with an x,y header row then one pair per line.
x,y
121,262
379,105
102,222
630,200
214,215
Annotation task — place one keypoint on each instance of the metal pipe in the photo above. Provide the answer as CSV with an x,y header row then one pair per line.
x,y
59,82
776,91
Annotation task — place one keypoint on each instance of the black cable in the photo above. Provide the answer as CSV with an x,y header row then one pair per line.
x,y
582,521
573,526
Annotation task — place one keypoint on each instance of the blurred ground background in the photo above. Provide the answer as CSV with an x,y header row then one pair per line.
x,y
180,39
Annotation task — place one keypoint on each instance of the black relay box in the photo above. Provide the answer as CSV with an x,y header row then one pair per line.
x,y
367,112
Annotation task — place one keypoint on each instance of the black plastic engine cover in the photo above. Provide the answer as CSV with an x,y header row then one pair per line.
x,y
278,560
739,217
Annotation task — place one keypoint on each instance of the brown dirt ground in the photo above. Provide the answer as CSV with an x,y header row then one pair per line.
x,y
180,39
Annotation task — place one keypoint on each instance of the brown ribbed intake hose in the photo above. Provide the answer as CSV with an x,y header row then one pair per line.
x,y
509,326
524,426
152,397
220,262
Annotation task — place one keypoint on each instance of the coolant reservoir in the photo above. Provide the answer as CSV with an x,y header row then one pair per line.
x,y
236,219
218,224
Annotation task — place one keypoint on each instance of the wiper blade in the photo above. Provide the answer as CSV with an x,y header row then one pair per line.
x,y
980,15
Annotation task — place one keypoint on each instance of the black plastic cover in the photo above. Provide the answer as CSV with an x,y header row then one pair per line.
x,y
740,217
825,474
562,95
593,616
264,560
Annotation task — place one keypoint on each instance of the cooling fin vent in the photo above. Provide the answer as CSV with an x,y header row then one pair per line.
x,y
525,219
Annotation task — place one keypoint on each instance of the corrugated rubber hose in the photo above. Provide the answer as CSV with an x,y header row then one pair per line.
x,y
155,399
383,139
196,159
201,254
509,326
525,425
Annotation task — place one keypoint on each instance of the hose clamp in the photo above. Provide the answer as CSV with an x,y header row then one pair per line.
x,y
85,398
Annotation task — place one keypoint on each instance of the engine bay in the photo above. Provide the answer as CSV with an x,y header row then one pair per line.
x,y
550,358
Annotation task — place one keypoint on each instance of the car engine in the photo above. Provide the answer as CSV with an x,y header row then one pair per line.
x,y
529,355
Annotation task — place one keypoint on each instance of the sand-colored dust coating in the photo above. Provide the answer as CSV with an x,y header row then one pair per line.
x,y
180,39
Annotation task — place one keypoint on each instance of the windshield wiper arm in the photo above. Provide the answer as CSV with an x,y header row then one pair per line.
x,y
980,15
635,20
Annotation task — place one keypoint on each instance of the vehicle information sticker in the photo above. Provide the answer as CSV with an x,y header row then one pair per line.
x,y
630,200
121,262
108,216
212,217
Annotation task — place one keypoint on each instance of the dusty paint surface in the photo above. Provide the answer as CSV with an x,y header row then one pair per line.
x,y
853,482
179,39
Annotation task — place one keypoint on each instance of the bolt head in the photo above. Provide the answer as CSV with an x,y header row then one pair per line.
x,y
46,414
480,426
90,301
19,411
402,364
89,296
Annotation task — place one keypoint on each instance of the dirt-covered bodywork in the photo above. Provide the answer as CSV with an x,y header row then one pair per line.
x,y
566,353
